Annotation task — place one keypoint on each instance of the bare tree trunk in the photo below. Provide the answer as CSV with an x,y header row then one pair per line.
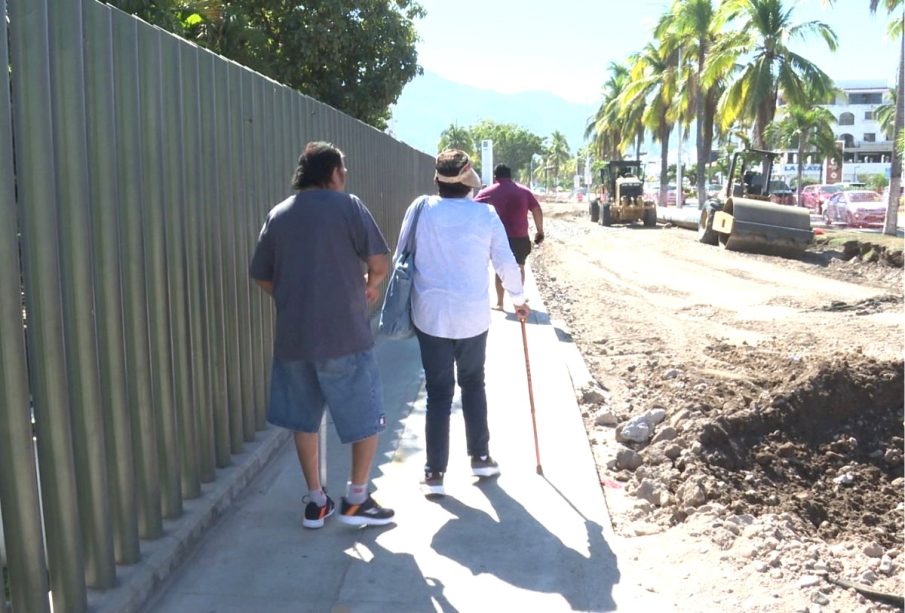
x,y
895,175
699,129
800,156
664,166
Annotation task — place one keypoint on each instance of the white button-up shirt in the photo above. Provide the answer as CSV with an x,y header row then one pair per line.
x,y
455,240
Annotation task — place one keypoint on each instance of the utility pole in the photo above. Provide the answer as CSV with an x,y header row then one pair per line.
x,y
679,193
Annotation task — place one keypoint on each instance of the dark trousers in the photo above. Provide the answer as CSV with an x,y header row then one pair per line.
x,y
443,359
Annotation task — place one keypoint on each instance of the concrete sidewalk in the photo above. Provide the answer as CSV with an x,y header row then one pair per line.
x,y
521,541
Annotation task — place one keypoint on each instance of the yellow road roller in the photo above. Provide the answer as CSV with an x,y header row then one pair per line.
x,y
741,217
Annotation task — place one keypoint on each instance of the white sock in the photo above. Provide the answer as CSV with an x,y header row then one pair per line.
x,y
356,493
318,497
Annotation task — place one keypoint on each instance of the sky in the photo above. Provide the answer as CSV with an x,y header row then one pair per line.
x,y
565,46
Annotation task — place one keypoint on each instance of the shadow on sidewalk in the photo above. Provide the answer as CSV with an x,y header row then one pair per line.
x,y
521,551
367,575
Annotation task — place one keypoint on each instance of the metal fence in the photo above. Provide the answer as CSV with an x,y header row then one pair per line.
x,y
135,173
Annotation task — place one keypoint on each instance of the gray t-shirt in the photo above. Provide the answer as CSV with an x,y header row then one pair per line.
x,y
312,247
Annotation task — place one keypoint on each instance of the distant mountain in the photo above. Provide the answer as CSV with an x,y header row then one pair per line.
x,y
430,103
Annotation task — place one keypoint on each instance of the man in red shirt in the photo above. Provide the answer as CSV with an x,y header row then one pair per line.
x,y
512,202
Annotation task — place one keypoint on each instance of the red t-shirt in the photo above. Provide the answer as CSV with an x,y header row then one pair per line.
x,y
512,202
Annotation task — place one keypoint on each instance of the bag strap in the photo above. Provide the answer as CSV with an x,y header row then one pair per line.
x,y
410,239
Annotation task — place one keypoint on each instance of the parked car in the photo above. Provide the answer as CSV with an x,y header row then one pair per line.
x,y
814,196
713,189
857,208
781,193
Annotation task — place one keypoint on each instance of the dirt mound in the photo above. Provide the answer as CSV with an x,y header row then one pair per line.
x,y
823,441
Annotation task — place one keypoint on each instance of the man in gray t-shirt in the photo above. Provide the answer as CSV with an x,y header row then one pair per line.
x,y
309,258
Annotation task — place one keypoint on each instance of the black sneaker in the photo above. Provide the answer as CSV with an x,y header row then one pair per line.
x,y
315,514
433,484
484,466
368,513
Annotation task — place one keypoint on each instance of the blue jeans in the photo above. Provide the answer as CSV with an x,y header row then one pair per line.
x,y
350,385
442,359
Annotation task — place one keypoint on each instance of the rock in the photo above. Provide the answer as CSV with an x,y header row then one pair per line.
x,y
776,574
647,491
868,577
636,430
655,416
844,479
592,395
672,452
873,550
606,418
894,257
815,608
679,417
886,566
761,567
808,581
672,373
692,494
628,459
666,433
819,598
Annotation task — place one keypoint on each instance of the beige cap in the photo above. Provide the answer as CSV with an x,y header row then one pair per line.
x,y
466,175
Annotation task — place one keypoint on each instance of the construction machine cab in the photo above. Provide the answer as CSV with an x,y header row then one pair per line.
x,y
743,215
622,195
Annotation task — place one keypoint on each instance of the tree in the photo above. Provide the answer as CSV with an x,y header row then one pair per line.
x,y
513,145
654,84
606,128
885,114
696,26
558,154
765,27
803,127
353,55
455,137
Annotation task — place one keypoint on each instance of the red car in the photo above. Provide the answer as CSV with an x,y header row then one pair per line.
x,y
855,208
815,196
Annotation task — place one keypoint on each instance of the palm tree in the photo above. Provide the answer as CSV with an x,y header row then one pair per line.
x,y
605,128
895,174
558,153
455,137
654,84
774,69
696,26
803,127
885,114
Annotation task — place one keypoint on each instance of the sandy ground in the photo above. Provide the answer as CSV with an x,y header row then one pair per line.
x,y
747,416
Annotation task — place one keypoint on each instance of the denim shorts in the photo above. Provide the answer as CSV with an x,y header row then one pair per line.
x,y
350,385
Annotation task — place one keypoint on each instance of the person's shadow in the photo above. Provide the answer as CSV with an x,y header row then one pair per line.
x,y
519,550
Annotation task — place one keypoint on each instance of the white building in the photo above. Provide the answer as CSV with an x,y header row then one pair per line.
x,y
868,150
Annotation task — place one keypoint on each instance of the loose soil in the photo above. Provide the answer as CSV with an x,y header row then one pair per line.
x,y
774,389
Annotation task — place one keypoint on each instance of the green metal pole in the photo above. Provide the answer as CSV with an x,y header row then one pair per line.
x,y
213,82
196,257
19,498
71,148
102,156
38,208
243,287
129,169
154,223
175,204
230,303
255,201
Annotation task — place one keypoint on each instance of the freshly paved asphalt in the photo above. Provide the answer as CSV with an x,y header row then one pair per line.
x,y
520,541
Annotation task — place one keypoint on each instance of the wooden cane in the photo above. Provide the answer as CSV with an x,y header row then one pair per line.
x,y
540,470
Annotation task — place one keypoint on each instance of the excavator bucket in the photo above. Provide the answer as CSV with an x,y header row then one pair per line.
x,y
752,225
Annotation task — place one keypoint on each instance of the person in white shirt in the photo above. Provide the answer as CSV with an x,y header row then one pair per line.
x,y
455,240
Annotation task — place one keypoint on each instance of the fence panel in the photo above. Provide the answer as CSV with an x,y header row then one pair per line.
x,y
129,220
39,218
21,519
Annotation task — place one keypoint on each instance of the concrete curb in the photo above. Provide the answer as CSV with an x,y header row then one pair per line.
x,y
138,584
